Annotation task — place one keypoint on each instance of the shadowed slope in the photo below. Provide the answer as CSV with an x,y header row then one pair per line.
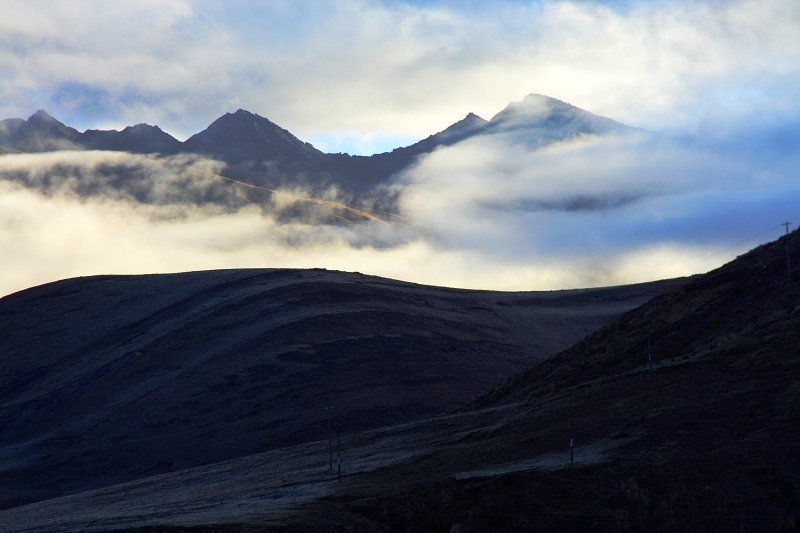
x,y
705,441
112,378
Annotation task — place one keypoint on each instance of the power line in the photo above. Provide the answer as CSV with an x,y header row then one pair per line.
x,y
753,237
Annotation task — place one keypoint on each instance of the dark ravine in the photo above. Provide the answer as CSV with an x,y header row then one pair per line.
x,y
708,439
113,378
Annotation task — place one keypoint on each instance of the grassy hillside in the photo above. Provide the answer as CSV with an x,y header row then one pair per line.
x,y
113,378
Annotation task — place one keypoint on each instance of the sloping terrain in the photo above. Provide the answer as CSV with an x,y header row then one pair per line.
x,y
112,378
706,439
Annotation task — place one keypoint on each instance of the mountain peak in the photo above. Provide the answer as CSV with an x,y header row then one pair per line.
x,y
243,136
536,97
241,113
473,120
535,105
40,133
42,116
466,127
550,119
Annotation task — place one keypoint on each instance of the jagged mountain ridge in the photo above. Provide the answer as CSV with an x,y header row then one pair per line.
x,y
141,138
260,152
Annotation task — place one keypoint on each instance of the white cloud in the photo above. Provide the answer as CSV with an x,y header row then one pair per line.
x,y
47,239
596,205
484,214
390,69
488,213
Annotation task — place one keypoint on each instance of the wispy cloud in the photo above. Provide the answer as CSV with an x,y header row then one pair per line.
x,y
490,212
59,237
361,67
594,203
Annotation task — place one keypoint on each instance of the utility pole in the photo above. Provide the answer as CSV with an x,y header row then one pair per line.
x,y
338,451
788,266
571,444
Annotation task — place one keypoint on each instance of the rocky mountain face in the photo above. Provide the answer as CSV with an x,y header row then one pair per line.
x,y
262,153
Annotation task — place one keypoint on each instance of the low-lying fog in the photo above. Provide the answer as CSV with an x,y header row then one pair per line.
x,y
491,212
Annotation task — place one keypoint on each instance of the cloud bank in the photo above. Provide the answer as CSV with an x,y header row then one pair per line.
x,y
56,238
491,212
492,189
591,200
721,78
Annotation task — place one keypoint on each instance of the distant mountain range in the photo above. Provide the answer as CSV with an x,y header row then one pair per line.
x,y
260,152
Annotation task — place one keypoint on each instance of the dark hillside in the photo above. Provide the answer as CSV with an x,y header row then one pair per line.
x,y
738,314
112,378
708,440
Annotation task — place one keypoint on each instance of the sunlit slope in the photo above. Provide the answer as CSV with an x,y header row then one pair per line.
x,y
112,378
